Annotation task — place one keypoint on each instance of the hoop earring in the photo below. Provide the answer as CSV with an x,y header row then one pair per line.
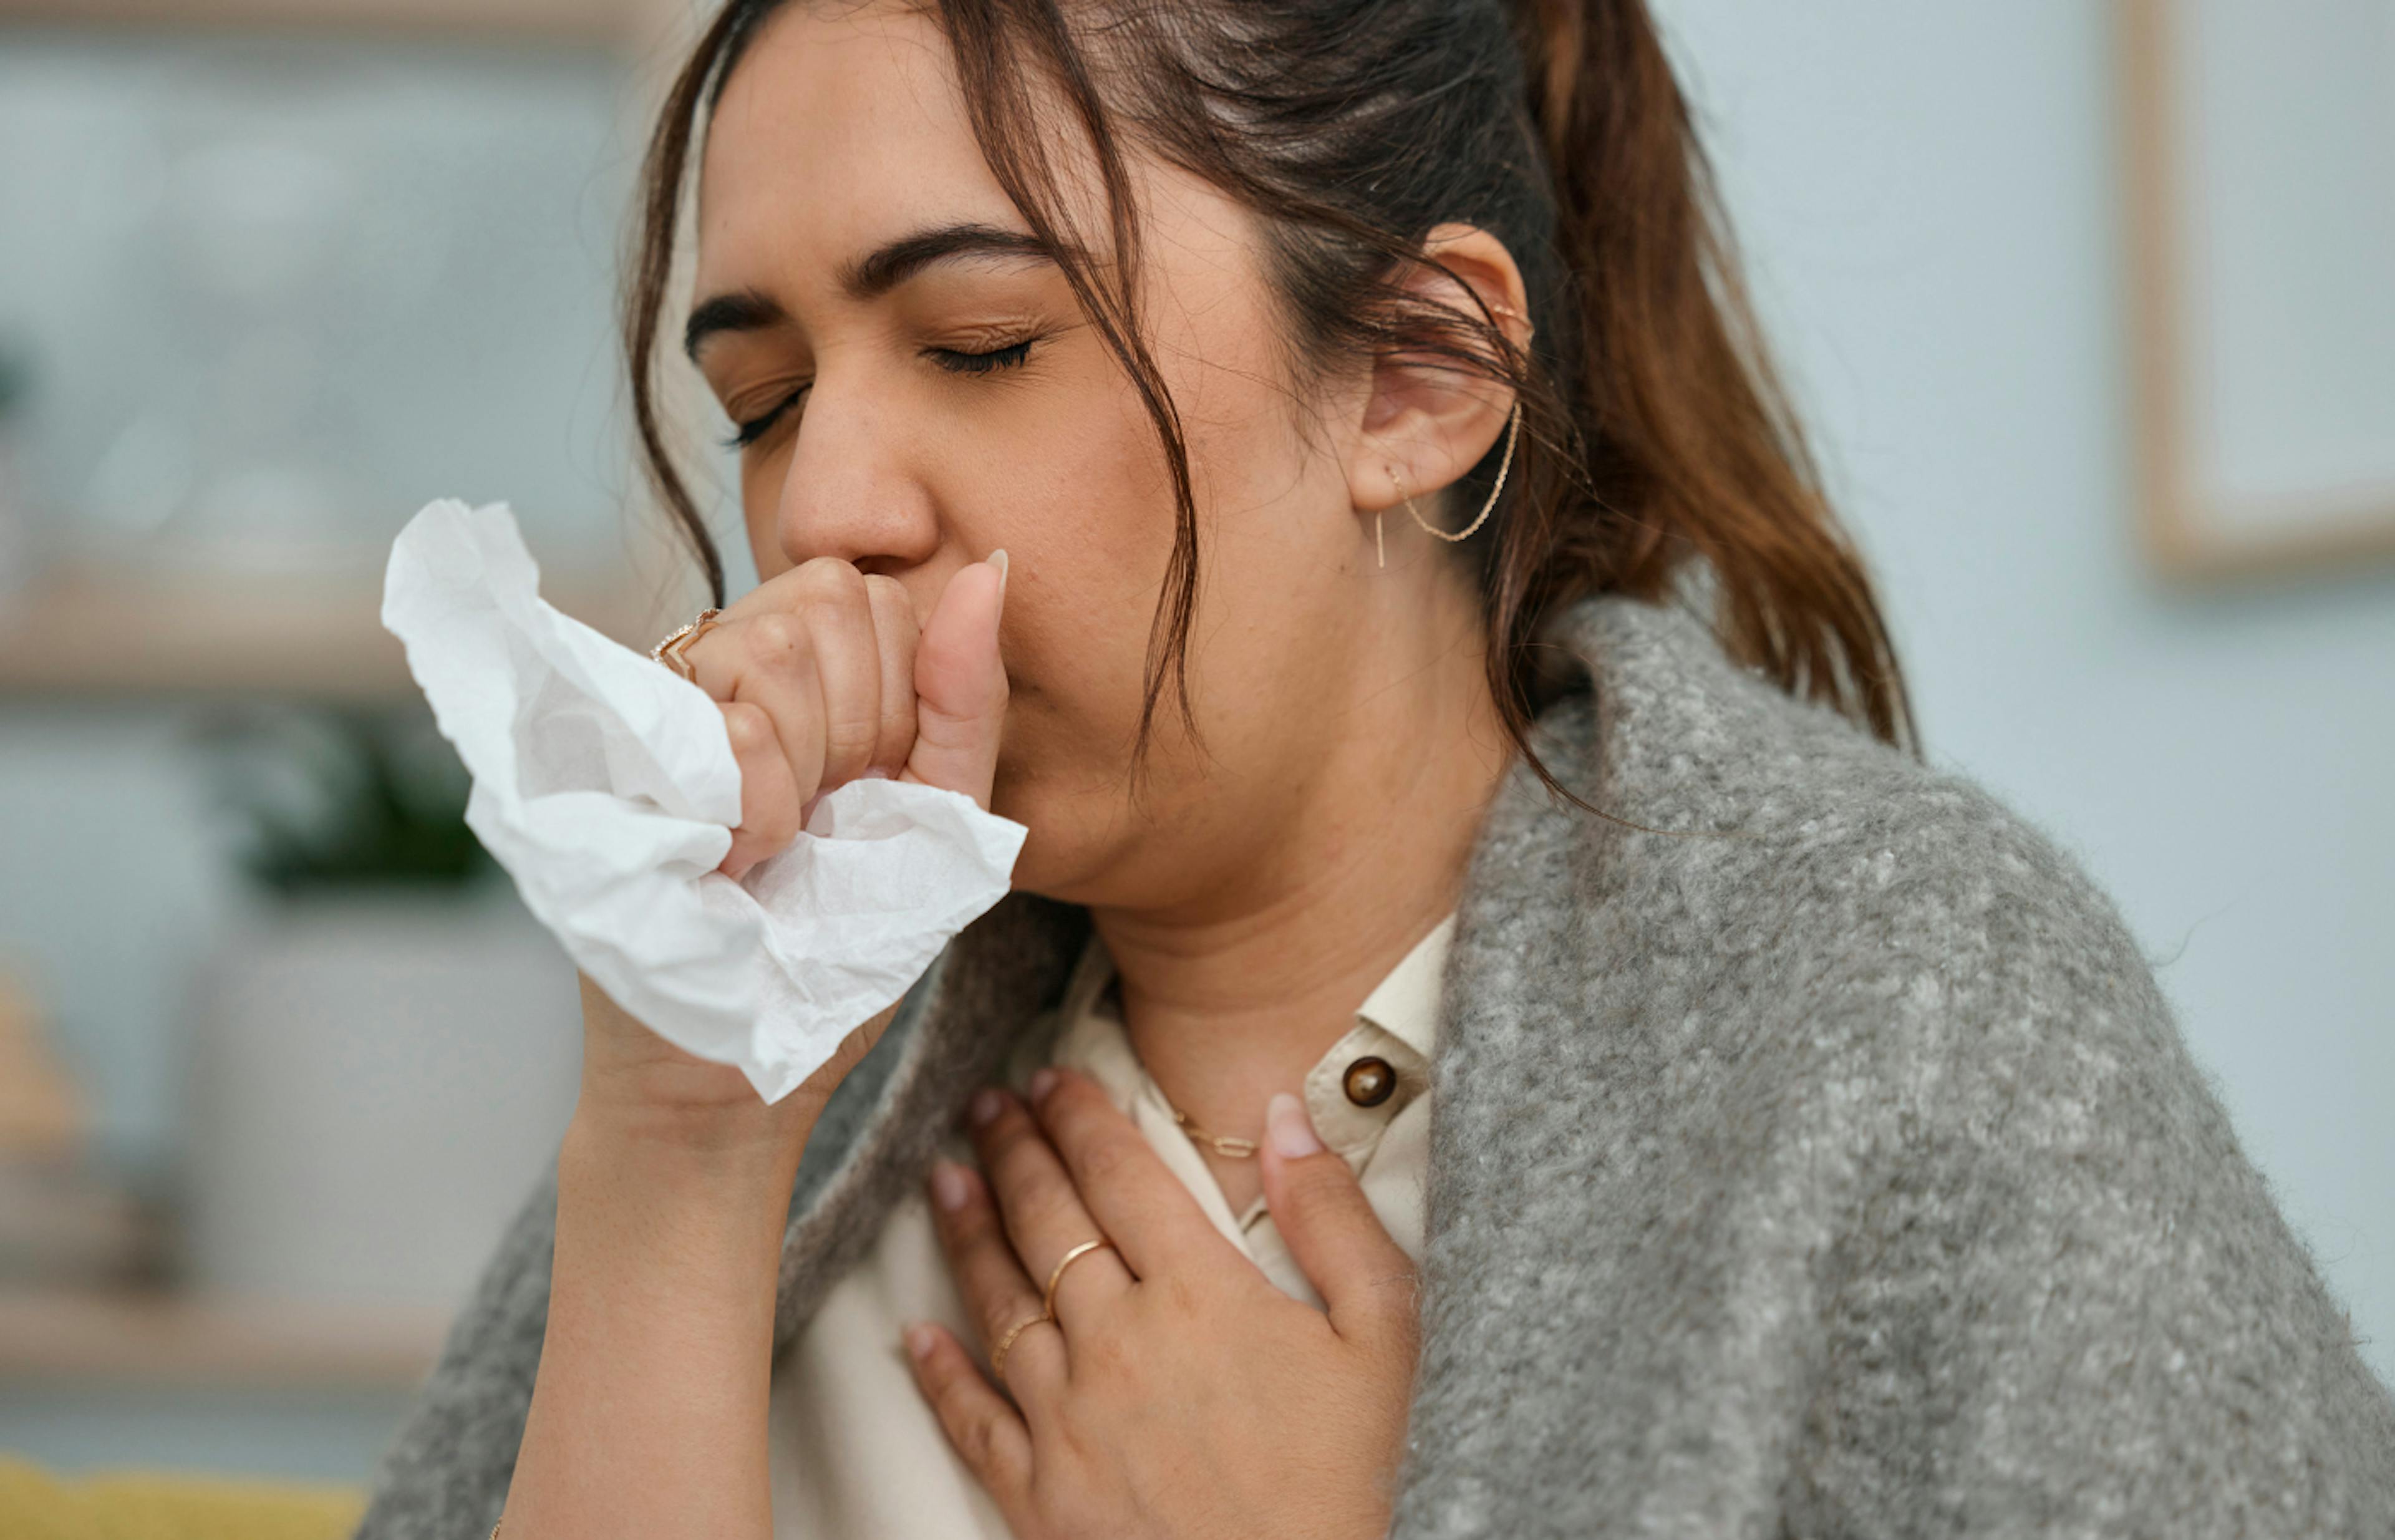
x,y
1513,431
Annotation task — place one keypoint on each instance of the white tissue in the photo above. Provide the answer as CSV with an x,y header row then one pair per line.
x,y
605,784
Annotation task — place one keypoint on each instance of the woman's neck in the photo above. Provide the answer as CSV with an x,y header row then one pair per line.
x,y
1227,1004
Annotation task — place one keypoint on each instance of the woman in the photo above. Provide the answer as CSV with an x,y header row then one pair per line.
x,y
1493,1055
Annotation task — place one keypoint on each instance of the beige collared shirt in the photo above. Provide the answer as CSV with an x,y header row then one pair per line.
x,y
857,1454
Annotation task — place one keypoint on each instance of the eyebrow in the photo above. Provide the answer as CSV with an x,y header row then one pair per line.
x,y
867,277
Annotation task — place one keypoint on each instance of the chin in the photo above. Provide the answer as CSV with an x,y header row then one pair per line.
x,y
1055,854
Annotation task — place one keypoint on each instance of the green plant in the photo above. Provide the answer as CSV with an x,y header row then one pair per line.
x,y
327,797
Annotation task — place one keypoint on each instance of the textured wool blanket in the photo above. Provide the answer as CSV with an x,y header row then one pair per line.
x,y
1820,1158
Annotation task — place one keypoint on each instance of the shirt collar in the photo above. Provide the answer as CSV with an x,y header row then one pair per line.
x,y
1406,1003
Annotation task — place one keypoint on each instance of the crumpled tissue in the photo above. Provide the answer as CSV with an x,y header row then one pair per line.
x,y
605,784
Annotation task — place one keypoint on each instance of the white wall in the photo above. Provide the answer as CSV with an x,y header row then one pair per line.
x,y
1933,215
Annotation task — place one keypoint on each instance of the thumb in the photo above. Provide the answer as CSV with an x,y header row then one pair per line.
x,y
961,684
1364,1276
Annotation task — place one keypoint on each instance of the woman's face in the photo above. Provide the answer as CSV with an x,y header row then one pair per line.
x,y
841,134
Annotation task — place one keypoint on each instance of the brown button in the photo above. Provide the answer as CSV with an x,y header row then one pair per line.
x,y
1369,1082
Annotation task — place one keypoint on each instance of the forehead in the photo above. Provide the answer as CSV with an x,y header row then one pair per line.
x,y
839,128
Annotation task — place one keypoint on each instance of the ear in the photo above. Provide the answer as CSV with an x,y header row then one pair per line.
x,y
1427,423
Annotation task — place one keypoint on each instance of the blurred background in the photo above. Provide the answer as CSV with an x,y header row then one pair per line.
x,y
2087,301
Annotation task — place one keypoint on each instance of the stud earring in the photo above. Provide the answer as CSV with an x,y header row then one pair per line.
x,y
1528,330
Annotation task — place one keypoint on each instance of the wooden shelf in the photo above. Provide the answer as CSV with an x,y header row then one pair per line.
x,y
85,632
588,22
165,1339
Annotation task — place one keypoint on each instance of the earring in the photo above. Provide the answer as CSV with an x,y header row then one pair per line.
x,y
1528,330
1513,431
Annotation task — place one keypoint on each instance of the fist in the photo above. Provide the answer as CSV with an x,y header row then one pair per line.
x,y
824,677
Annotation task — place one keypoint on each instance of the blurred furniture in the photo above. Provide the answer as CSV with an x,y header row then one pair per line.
x,y
94,1381
377,1080
2260,145
594,21
85,631
151,1338
36,1505
268,287
62,1221
278,271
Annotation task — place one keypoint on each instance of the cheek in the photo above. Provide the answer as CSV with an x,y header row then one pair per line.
x,y
1094,502
1086,509
761,486
1076,646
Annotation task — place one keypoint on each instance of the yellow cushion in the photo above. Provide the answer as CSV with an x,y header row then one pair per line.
x,y
35,1505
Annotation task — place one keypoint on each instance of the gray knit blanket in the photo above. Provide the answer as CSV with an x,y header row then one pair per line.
x,y
1825,1162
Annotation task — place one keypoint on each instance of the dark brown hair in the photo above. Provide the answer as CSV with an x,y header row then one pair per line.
x,y
1654,431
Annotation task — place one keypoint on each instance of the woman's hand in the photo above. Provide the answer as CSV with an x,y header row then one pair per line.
x,y
1180,1393
822,677
673,1182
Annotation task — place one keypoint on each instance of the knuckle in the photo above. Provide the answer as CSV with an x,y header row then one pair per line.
x,y
1047,1202
1000,1315
980,1441
779,638
750,730
1397,1292
851,734
1108,1355
832,577
1175,1298
1317,1184
1104,1157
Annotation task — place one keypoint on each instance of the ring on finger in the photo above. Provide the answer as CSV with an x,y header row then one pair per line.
x,y
1048,1303
669,651
997,1354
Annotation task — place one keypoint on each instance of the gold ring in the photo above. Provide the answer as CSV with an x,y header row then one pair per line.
x,y
997,1354
669,651
1049,1304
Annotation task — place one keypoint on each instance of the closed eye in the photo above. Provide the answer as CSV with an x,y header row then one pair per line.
x,y
748,433
1014,355
1008,357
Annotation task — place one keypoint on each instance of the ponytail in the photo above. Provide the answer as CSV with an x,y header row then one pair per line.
x,y
1690,428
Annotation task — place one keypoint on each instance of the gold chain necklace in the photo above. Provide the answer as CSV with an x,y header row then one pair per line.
x,y
1224,1145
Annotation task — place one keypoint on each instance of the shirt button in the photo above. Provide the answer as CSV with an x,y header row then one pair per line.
x,y
1370,1081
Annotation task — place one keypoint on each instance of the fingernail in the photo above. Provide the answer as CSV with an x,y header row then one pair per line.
x,y
918,1342
875,771
1286,1124
986,1106
998,559
948,1187
1042,1081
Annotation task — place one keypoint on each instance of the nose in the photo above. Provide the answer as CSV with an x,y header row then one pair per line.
x,y
851,489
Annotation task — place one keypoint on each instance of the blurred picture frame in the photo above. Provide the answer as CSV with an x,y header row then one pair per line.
x,y
2260,246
